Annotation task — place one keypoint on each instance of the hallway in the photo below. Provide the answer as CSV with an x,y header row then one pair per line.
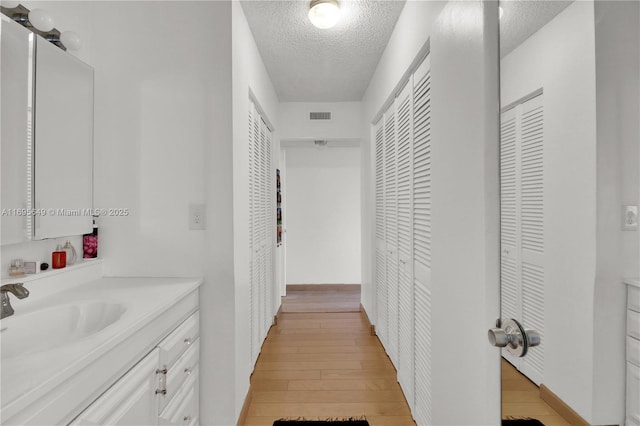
x,y
332,360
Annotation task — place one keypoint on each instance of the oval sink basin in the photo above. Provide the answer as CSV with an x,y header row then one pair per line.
x,y
56,326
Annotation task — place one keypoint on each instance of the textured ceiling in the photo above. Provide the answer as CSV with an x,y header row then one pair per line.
x,y
522,18
309,64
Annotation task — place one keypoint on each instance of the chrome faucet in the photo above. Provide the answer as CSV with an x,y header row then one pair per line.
x,y
18,290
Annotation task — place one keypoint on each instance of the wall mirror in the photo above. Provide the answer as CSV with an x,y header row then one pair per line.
x,y
47,139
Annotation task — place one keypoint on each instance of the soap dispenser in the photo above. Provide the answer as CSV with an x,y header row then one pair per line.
x,y
72,256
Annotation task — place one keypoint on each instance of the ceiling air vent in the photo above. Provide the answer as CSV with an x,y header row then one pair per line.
x,y
320,116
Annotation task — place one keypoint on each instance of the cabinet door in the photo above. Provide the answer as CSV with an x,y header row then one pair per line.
x,y
131,401
63,142
633,395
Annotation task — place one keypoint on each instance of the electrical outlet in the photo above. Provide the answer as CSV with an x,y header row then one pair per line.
x,y
197,217
629,218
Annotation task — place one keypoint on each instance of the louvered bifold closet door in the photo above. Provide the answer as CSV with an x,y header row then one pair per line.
x,y
269,218
391,230
261,160
381,254
261,229
532,195
421,207
510,300
254,270
404,114
522,225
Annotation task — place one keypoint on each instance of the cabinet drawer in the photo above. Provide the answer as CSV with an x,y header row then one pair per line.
x,y
633,395
633,324
183,408
179,372
179,340
633,300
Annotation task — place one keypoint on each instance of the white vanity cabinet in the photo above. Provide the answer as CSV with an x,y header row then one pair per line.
x,y
160,389
633,353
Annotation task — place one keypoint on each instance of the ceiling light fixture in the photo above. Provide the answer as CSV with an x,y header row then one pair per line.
x,y
324,13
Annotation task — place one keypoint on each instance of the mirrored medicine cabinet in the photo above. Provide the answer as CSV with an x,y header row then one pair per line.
x,y
46,138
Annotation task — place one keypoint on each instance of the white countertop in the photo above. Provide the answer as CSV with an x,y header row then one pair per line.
x,y
143,299
632,281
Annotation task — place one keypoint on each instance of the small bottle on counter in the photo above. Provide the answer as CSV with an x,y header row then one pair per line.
x,y
59,258
16,269
72,256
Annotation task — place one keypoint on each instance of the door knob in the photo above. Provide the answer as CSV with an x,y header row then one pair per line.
x,y
514,337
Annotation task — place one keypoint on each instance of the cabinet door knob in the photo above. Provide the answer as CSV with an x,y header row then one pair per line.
x,y
187,419
187,341
187,371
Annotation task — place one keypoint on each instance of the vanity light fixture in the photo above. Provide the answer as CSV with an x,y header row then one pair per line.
x,y
41,20
324,13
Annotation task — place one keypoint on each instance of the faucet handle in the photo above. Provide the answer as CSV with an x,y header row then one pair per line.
x,y
17,289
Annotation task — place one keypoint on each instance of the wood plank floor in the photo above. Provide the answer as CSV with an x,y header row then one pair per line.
x,y
323,365
322,362
521,398
322,298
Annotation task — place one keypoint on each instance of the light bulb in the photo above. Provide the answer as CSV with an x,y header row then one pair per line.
x,y
41,20
71,40
10,4
324,13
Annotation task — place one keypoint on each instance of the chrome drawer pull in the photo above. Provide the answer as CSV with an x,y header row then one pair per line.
x,y
162,381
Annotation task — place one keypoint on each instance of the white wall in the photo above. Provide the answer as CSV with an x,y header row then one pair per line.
x,y
249,73
560,58
296,125
323,216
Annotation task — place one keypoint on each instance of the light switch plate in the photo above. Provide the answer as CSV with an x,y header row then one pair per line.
x,y
197,217
629,218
